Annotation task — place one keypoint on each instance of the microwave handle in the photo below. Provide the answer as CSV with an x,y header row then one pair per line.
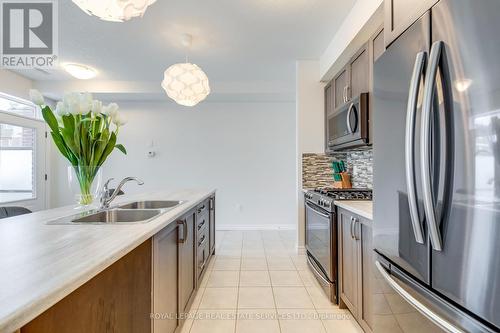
x,y
349,127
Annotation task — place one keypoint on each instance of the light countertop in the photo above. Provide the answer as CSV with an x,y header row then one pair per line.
x,y
361,208
41,264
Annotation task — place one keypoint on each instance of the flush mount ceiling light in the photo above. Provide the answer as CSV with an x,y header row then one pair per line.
x,y
79,71
114,10
186,83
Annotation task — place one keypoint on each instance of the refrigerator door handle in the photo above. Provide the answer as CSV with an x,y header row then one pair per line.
x,y
411,115
429,89
441,322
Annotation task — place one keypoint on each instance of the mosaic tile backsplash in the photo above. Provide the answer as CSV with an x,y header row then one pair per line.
x,y
317,170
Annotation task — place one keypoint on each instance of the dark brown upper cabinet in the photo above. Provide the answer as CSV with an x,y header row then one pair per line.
x,y
341,85
400,14
353,79
359,69
378,44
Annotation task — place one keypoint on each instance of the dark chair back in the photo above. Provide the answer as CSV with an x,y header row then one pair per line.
x,y
13,211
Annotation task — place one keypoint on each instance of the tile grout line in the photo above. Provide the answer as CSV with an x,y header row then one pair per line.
x,y
272,290
238,290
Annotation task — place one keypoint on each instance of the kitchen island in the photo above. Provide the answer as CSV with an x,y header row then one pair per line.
x,y
44,265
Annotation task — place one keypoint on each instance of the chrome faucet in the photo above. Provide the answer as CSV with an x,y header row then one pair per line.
x,y
106,197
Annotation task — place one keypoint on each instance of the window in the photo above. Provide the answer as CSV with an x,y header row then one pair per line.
x,y
22,154
17,158
19,106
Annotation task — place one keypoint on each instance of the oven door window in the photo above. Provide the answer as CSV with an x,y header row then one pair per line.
x,y
318,237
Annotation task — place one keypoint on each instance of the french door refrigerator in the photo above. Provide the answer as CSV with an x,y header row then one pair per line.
x,y
436,123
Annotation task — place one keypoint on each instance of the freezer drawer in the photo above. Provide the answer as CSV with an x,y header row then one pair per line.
x,y
403,305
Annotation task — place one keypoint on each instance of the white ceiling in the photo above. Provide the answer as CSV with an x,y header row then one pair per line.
x,y
238,43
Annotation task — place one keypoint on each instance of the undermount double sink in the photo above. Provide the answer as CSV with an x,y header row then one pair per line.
x,y
133,212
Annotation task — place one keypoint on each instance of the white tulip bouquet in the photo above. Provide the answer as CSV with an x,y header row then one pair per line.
x,y
85,132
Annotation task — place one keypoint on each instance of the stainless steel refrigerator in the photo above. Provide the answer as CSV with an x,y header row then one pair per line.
x,y
436,123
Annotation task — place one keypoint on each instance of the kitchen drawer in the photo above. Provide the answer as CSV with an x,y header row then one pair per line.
x,y
202,209
203,254
202,237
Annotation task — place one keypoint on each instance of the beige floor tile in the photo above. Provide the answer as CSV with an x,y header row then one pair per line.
x,y
227,265
300,320
223,279
300,262
337,320
253,264
197,298
255,298
186,327
219,298
308,278
292,298
204,280
221,321
254,279
253,253
257,320
285,279
319,298
280,263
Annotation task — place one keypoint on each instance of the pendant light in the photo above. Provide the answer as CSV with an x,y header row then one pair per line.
x,y
186,83
114,10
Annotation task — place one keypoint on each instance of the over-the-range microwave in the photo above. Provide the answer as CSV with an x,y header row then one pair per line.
x,y
347,126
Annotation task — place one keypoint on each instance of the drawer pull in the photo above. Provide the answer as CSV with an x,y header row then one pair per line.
x,y
202,240
200,225
201,209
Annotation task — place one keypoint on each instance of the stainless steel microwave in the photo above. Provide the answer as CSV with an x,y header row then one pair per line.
x,y
347,126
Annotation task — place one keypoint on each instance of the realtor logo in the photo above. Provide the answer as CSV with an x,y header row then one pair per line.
x,y
29,34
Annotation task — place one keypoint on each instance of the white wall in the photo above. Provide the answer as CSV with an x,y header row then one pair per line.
x,y
14,84
362,21
245,150
310,126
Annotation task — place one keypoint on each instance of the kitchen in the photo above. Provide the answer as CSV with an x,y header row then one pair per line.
x,y
380,217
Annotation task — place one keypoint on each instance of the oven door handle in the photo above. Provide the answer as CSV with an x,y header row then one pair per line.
x,y
317,211
318,273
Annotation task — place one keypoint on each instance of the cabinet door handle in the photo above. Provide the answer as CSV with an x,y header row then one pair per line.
x,y
184,231
356,221
352,223
347,99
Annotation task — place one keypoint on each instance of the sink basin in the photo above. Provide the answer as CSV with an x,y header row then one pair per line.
x,y
119,216
154,204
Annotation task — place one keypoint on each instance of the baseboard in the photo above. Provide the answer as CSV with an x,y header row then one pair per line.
x,y
228,227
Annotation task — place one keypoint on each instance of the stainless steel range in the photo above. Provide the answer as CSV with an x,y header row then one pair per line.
x,y
321,233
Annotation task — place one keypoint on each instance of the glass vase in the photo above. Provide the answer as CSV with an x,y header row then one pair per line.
x,y
84,183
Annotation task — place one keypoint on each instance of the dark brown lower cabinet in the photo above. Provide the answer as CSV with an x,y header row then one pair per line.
x,y
355,251
116,300
166,279
187,262
150,289
212,225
